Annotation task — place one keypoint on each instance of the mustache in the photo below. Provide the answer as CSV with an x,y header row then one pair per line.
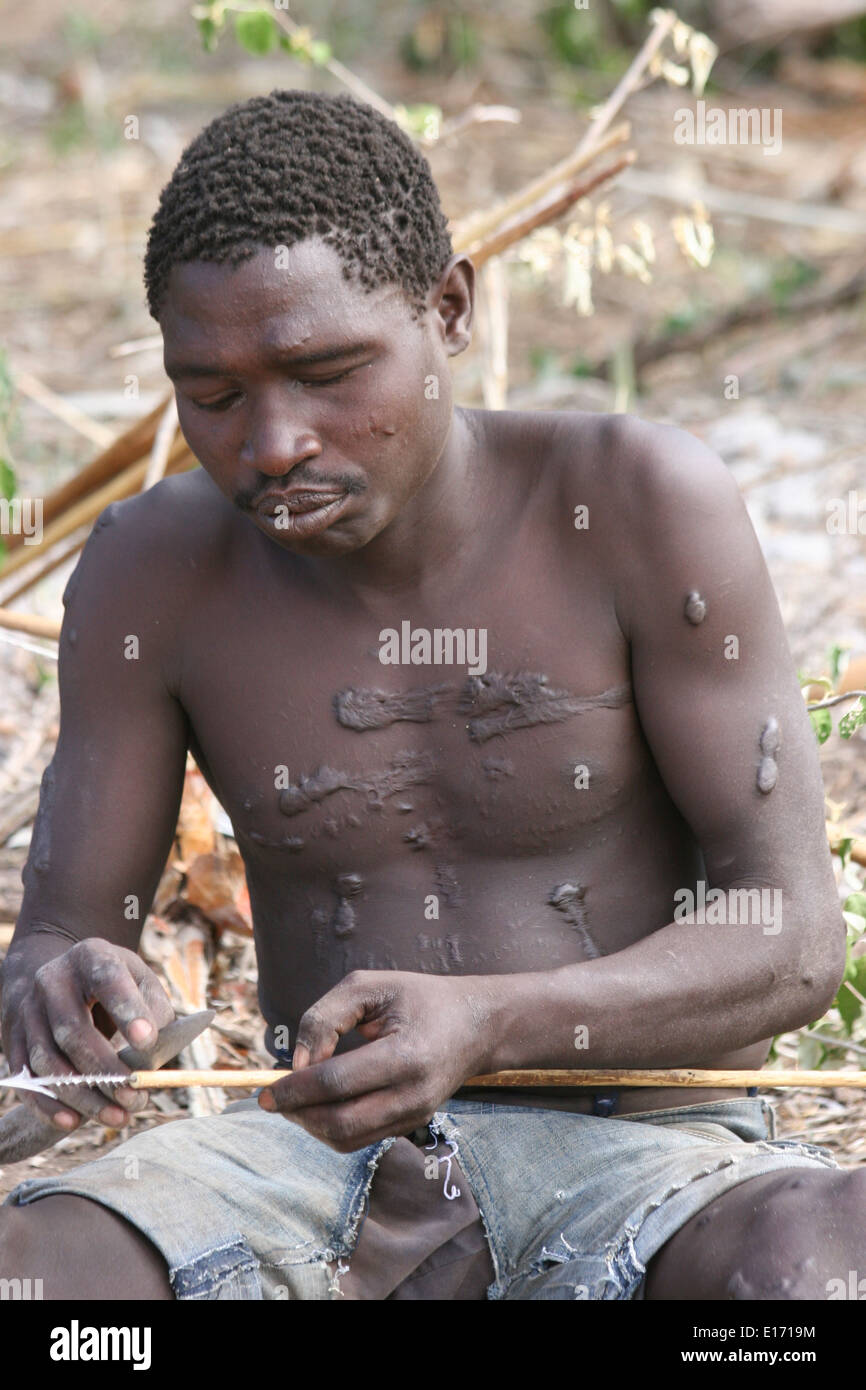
x,y
248,498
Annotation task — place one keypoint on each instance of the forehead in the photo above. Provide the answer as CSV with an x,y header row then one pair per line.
x,y
299,291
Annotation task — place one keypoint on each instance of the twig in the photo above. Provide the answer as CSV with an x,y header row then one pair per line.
x,y
88,508
547,212
28,647
127,449
479,225
136,345
161,445
53,562
338,70
493,323
629,81
475,114
652,349
29,622
833,1042
654,184
70,415
837,699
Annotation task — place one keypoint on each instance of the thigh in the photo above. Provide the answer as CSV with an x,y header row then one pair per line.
x,y
73,1248
778,1236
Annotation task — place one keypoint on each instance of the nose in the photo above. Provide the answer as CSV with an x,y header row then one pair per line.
x,y
275,444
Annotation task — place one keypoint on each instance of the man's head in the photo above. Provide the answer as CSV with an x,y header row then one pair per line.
x,y
298,225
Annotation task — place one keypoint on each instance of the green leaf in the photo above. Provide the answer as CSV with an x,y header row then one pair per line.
x,y
209,32
8,481
848,1004
854,719
843,849
320,52
834,656
821,723
855,902
256,31
806,679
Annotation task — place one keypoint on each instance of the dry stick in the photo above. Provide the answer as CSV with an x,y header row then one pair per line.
x,y
162,444
590,147
126,450
630,79
52,563
480,225
837,699
157,1080
337,69
29,622
591,144
89,507
537,216
33,388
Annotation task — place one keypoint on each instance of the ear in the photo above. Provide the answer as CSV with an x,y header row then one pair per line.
x,y
452,300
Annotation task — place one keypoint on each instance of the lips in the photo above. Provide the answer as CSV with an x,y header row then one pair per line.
x,y
301,513
296,503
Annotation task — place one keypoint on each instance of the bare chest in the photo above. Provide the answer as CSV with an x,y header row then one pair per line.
x,y
502,727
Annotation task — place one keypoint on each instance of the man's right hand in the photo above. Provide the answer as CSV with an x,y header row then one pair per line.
x,y
48,1024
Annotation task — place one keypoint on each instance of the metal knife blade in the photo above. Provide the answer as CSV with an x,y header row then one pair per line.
x,y
25,1081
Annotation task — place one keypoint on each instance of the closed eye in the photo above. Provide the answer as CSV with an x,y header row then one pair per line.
x,y
224,402
329,380
221,403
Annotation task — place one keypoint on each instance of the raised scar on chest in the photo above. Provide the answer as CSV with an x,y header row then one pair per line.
x,y
491,704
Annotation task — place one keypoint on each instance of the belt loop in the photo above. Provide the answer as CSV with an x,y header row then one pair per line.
x,y
604,1105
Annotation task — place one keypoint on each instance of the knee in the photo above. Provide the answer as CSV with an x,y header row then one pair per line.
x,y
13,1239
800,1234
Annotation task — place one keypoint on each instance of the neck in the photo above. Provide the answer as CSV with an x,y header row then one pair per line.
x,y
439,522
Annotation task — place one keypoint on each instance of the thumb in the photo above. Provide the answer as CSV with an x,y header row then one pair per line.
x,y
359,997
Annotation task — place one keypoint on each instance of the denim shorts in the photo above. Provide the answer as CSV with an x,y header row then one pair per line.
x,y
246,1205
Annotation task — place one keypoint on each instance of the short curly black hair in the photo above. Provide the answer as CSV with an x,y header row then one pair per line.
x,y
277,169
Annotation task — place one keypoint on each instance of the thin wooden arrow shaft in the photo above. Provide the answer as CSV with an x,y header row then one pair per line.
x,y
159,1080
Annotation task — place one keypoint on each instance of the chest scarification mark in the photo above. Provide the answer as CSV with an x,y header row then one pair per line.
x,y
407,770
495,704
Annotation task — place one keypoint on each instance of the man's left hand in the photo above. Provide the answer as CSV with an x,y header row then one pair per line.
x,y
425,1035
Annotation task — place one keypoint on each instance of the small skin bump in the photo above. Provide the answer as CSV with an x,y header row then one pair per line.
x,y
696,608
768,774
769,743
771,738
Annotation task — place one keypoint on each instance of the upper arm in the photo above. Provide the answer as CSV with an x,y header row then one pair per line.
x,y
110,796
705,692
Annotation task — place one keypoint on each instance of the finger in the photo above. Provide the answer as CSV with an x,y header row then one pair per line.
x,y
44,1058
368,1068
80,1043
361,995
18,1060
106,978
88,1051
355,1124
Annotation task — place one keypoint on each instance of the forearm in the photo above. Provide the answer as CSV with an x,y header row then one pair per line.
x,y
680,997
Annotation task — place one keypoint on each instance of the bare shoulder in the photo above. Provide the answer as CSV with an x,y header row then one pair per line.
x,y
644,470
148,537
144,562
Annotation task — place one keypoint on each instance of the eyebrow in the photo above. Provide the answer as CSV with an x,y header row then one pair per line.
x,y
309,359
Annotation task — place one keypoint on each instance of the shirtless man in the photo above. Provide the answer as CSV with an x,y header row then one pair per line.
x,y
454,868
